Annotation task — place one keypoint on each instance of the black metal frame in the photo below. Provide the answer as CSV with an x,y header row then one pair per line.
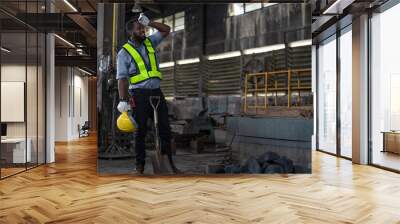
x,y
45,89
44,75
26,87
317,94
387,5
316,117
369,114
0,90
339,32
338,98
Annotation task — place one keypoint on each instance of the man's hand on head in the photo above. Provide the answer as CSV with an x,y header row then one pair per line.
x,y
162,28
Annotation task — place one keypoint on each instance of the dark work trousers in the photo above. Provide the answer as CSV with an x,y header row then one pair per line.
x,y
143,111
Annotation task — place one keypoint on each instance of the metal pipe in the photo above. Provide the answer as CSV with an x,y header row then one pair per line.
x,y
114,33
288,87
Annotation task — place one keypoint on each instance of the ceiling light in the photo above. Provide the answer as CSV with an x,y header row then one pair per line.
x,y
301,43
84,71
65,41
188,61
224,55
136,8
5,50
166,64
70,5
264,49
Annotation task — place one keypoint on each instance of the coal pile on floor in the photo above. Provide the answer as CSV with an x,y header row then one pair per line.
x,y
268,163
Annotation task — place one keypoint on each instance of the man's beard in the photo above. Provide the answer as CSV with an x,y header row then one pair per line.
x,y
140,38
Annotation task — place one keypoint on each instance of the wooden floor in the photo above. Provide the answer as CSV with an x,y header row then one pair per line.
x,y
387,159
10,171
70,191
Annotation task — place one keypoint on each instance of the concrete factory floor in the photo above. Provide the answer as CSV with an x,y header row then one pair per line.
x,y
71,191
189,163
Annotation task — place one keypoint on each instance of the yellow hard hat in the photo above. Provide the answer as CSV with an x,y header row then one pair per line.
x,y
125,123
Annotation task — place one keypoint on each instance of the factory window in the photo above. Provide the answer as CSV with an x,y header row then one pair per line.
x,y
169,20
179,21
268,4
248,7
176,22
236,9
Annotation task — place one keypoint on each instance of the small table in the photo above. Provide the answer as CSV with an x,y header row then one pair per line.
x,y
391,141
13,150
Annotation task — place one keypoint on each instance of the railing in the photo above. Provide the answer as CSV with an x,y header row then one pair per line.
x,y
269,84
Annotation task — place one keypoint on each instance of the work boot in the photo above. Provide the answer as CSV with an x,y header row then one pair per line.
x,y
139,169
176,170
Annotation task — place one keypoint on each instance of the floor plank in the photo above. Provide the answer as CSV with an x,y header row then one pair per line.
x,y
71,191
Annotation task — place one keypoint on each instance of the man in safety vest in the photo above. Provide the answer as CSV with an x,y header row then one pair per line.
x,y
138,72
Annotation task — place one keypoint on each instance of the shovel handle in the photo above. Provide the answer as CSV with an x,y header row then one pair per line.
x,y
154,99
154,102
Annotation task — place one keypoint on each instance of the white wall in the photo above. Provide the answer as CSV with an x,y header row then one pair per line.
x,y
61,103
71,94
17,73
33,126
13,73
80,112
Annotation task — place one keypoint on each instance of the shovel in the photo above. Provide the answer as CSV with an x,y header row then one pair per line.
x,y
162,164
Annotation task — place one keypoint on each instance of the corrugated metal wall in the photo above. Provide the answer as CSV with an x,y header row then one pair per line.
x,y
187,79
168,84
299,57
224,76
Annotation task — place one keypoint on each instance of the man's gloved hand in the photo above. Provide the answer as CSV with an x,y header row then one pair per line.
x,y
123,106
143,20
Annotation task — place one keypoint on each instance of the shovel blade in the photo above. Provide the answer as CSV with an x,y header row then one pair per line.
x,y
161,164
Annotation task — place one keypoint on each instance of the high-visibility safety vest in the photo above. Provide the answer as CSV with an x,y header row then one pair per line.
x,y
142,73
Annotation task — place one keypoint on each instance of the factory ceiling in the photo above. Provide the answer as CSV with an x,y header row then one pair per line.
x,y
75,22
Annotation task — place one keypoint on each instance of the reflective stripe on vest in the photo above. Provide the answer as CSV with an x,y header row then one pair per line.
x,y
143,74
